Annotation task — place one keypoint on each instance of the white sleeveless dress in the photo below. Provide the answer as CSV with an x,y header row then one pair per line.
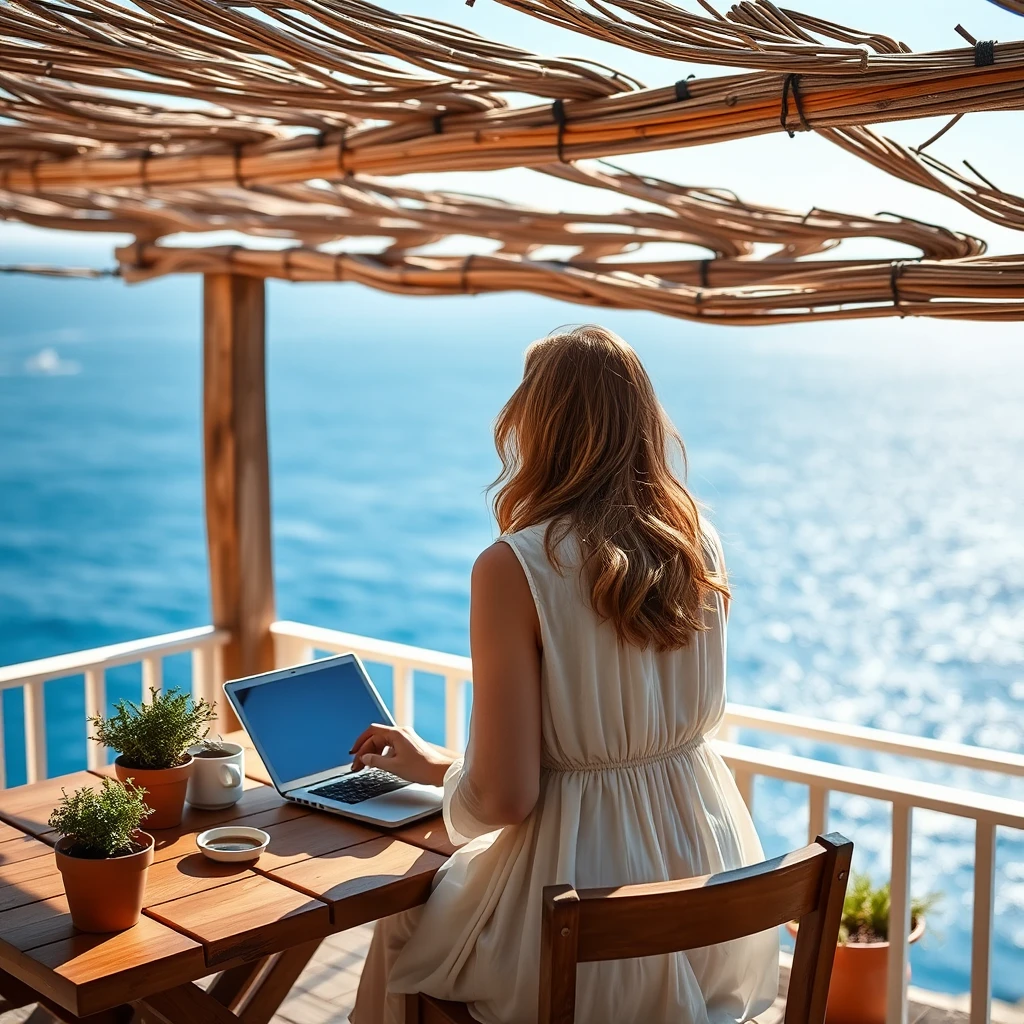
x,y
631,791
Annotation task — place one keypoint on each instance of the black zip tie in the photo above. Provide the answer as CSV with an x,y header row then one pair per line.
x,y
288,263
792,82
238,166
984,53
463,282
704,264
439,124
895,270
339,274
558,113
341,151
143,163
682,88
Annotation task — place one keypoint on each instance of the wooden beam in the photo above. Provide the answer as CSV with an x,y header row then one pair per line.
x,y
186,1004
237,473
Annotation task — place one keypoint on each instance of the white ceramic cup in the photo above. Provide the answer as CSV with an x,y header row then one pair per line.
x,y
217,782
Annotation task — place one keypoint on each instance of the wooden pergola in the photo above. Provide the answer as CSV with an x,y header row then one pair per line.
x,y
294,120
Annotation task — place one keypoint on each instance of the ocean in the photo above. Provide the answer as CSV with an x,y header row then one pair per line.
x,y
865,478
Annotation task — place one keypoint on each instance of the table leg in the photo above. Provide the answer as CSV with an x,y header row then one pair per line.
x,y
186,1004
259,995
277,983
230,987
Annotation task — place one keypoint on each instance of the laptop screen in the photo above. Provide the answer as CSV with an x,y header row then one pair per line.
x,y
306,723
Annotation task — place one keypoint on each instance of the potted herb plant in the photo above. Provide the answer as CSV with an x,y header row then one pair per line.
x,y
152,741
103,856
857,993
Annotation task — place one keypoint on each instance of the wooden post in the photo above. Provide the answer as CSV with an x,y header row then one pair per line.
x,y
237,471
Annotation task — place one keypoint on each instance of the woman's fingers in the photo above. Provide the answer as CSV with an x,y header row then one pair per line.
x,y
373,747
388,732
361,739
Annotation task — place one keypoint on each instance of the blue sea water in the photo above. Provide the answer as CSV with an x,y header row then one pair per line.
x,y
866,480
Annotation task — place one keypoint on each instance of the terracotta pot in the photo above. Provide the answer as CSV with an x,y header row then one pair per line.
x,y
860,974
105,895
165,790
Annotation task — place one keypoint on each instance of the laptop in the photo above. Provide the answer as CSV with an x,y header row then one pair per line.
x,y
303,722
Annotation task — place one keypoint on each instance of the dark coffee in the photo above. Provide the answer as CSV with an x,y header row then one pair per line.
x,y
233,844
213,753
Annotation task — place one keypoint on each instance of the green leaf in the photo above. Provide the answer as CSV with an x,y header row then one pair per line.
x,y
866,911
158,734
101,823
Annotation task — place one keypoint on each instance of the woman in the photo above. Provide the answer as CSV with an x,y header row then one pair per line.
x,y
597,629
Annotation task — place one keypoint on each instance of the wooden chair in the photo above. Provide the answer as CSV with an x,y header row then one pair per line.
x,y
807,885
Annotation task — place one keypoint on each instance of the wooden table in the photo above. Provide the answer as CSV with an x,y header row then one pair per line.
x,y
254,927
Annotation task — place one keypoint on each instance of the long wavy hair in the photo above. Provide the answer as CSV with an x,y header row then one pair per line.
x,y
586,446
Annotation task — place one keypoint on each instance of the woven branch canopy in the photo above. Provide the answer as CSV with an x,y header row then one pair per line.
x,y
294,120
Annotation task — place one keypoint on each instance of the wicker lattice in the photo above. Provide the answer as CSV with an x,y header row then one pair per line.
x,y
293,118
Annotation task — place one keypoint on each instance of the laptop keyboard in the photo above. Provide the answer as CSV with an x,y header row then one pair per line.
x,y
360,786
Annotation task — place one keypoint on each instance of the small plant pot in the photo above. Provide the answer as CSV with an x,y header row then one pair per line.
x,y
105,895
860,975
165,790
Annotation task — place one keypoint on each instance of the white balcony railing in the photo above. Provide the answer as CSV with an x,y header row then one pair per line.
x,y
31,676
296,643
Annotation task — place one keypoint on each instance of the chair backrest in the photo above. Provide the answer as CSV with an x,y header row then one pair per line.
x,y
807,886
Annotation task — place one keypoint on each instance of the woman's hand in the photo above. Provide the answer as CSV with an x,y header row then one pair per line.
x,y
400,751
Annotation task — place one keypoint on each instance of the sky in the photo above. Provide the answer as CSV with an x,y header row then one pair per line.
x,y
796,173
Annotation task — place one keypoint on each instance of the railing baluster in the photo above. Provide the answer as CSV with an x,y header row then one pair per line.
x,y
152,675
899,914
745,784
454,713
35,731
981,929
3,752
218,672
95,704
203,672
404,681
817,821
289,650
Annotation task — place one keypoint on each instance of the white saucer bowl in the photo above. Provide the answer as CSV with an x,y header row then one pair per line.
x,y
205,841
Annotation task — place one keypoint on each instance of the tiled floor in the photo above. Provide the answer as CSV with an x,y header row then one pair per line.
x,y
325,992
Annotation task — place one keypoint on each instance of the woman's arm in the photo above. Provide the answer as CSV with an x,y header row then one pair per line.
x,y
502,769
500,780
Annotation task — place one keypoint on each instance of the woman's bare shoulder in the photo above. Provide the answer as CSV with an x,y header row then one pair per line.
x,y
499,565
